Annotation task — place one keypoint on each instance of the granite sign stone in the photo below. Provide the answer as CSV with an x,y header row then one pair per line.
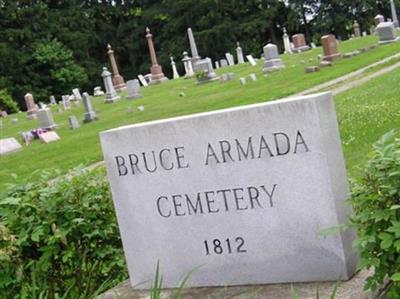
x,y
272,61
329,46
242,195
9,145
386,33
111,94
117,80
133,88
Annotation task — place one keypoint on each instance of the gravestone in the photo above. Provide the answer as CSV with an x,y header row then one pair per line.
x,y
117,80
77,94
205,66
111,94
272,61
243,201
217,65
193,49
73,122
252,61
230,59
386,33
53,100
66,102
223,62
329,46
48,137
242,81
239,53
356,29
286,42
187,63
394,14
30,106
97,91
76,104
140,108
45,118
174,70
3,114
379,19
90,114
157,75
299,43
133,88
143,80
9,145
253,77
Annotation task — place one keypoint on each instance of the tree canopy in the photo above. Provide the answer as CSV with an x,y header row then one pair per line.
x,y
49,47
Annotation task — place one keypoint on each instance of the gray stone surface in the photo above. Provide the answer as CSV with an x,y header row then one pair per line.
x,y
9,145
261,180
239,53
77,94
143,80
90,114
386,33
66,103
193,48
97,91
223,62
206,66
272,61
230,59
111,94
187,63
133,88
252,61
352,289
45,117
49,137
73,122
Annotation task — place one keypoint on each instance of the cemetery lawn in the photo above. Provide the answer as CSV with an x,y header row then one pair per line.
x,y
364,113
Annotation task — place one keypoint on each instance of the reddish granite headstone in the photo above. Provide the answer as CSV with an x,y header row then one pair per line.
x,y
157,76
30,106
329,46
298,40
118,80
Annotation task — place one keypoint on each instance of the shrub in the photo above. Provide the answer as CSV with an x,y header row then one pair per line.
x,y
59,238
7,103
376,202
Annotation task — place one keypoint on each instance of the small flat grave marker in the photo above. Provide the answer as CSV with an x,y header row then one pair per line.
x,y
49,137
9,145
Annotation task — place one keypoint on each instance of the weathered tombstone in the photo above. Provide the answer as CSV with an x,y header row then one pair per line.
x,y
329,45
223,62
313,46
356,29
230,76
133,88
299,43
45,118
386,33
111,94
117,80
239,53
27,137
207,71
236,216
157,76
286,42
77,94
48,137
252,61
97,91
311,69
66,102
193,49
143,80
3,114
30,106
379,19
174,70
73,122
9,145
394,14
253,77
364,33
53,100
223,77
89,115
230,59
242,81
187,63
217,65
272,61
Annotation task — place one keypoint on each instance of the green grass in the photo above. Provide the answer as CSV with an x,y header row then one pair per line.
x,y
360,124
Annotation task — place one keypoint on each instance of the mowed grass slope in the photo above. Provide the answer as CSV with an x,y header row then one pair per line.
x,y
81,146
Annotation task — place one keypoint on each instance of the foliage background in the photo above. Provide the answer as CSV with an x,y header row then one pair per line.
x,y
78,32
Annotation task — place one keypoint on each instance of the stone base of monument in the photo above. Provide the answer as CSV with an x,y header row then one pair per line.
x,y
118,82
389,41
272,65
351,289
207,79
301,49
332,57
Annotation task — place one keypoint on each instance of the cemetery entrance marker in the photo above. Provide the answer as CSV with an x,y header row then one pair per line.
x,y
243,194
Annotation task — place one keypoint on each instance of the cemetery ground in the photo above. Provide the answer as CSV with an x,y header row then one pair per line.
x,y
364,113
181,97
